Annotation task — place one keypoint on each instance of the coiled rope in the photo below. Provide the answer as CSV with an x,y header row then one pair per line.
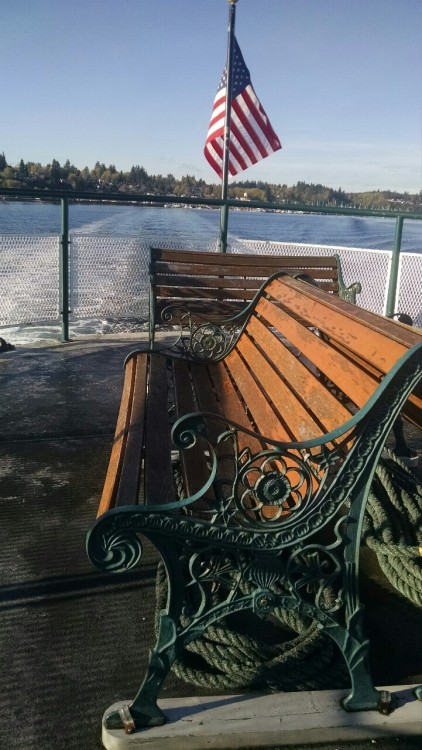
x,y
225,657
393,526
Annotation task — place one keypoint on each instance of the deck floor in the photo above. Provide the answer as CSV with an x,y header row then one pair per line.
x,y
72,640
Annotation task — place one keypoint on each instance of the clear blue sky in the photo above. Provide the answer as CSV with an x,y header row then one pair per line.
x,y
133,81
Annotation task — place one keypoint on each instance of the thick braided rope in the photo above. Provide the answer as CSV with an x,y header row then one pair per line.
x,y
232,660
226,659
393,526
303,663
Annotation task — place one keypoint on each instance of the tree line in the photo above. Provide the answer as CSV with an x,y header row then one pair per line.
x,y
107,179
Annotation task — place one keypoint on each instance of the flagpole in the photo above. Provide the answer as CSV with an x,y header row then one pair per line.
x,y
224,213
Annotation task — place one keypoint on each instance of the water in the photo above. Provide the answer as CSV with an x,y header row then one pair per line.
x,y
109,272
201,226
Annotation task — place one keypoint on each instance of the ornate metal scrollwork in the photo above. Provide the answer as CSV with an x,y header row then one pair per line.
x,y
264,572
177,315
274,479
348,293
213,573
262,490
114,548
313,571
210,341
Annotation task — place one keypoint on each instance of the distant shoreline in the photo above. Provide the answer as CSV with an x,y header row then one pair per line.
x,y
102,199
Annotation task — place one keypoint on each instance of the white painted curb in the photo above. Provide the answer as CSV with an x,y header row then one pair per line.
x,y
261,720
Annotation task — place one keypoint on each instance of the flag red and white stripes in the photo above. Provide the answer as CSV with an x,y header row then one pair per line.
x,y
251,136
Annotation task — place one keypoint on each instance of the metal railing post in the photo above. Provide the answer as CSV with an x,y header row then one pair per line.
x,y
64,269
395,259
224,224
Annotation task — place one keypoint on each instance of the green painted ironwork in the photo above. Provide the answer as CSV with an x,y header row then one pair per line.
x,y
64,269
230,202
347,293
394,269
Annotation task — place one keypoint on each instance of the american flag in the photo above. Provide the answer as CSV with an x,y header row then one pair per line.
x,y
251,135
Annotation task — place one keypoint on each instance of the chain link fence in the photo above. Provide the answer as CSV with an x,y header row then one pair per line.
x,y
109,277
29,278
370,267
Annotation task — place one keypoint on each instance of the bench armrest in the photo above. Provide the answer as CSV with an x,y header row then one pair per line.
x,y
348,293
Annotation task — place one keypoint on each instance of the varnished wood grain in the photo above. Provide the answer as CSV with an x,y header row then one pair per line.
x,y
159,479
305,362
134,449
119,444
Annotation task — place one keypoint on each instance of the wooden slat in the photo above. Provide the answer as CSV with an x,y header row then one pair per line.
x,y
412,409
218,394
159,481
262,413
179,281
128,491
117,452
254,268
210,399
297,418
221,268
206,293
345,374
375,343
159,256
169,282
267,422
320,401
362,331
234,409
233,406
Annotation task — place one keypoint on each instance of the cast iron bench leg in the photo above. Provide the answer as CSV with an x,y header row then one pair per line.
x,y
144,711
363,696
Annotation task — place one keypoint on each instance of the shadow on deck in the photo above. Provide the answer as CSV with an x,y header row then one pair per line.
x,y
73,640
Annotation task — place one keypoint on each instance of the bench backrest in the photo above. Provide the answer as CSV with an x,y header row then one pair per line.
x,y
307,361
303,365
212,284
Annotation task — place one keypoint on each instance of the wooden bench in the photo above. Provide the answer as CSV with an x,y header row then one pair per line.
x,y
248,462
190,285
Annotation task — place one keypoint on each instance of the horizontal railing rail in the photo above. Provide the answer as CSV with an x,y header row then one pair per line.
x,y
66,197
98,197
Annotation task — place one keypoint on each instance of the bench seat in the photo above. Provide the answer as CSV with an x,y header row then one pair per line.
x,y
252,447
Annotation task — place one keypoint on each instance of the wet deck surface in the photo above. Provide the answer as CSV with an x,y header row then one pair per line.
x,y
73,640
